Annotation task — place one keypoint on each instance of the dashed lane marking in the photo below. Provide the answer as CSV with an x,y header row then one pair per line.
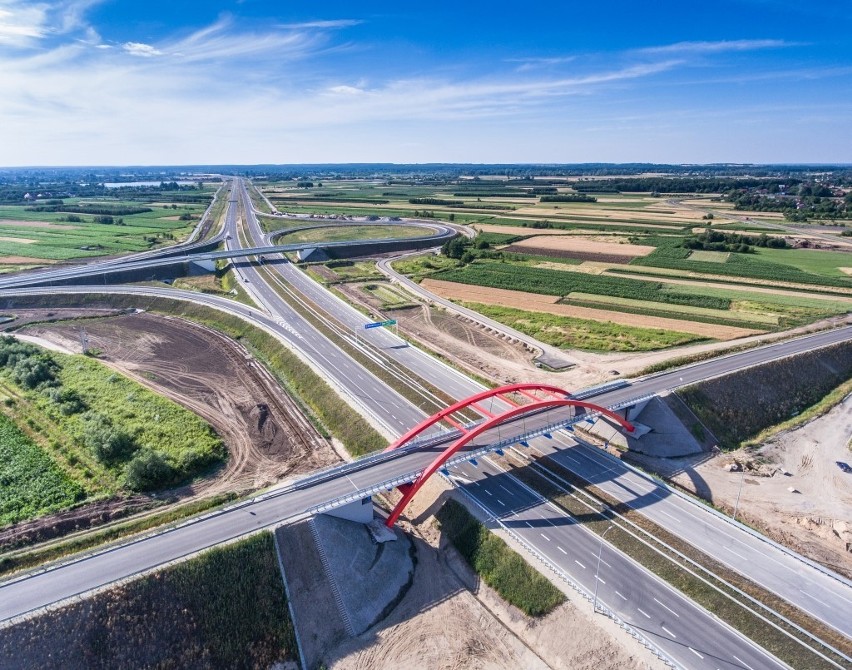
x,y
667,607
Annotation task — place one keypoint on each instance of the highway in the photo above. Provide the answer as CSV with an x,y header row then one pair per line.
x,y
690,635
396,415
825,596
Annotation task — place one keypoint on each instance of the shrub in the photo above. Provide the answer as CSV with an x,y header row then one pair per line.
x,y
147,471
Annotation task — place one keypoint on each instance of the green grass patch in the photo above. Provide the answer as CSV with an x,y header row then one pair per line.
x,y
390,297
701,314
502,568
31,483
105,425
342,233
710,256
826,263
570,333
224,609
778,265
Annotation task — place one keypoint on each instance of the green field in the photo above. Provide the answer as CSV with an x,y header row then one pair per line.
x,y
66,240
105,430
31,483
826,263
571,333
556,282
341,233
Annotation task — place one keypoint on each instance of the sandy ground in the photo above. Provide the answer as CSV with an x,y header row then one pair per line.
x,y
267,436
24,260
449,619
19,240
586,245
546,304
816,521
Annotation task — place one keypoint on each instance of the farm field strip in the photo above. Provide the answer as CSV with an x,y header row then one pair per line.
x,y
685,310
547,304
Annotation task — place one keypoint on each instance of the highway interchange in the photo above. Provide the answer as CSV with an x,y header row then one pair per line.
x,y
683,631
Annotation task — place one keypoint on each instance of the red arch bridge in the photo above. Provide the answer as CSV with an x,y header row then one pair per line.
x,y
485,422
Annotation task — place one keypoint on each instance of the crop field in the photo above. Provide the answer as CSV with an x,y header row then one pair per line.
x,y
556,282
600,312
32,483
73,234
557,242
223,609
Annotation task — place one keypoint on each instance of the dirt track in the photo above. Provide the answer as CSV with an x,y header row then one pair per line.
x,y
267,435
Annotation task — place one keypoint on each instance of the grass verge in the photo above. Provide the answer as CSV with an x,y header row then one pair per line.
x,y
502,568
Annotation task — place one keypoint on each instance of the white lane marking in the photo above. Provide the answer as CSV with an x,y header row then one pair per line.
x,y
669,632
562,550
667,607
744,664
644,614
620,596
580,564
600,580
695,652
812,597
735,553
545,536
489,492
501,502
528,524
602,560
505,489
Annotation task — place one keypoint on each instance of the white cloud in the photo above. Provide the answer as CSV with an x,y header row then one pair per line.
x,y
141,49
533,63
335,23
22,23
717,47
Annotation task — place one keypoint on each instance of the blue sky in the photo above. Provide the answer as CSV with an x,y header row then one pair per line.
x,y
86,82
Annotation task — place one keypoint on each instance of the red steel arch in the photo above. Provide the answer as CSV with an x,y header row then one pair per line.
x,y
556,397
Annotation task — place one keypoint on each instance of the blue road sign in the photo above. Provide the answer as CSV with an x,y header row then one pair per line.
x,y
379,324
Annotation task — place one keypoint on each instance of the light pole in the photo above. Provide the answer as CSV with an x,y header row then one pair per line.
x,y
739,491
597,571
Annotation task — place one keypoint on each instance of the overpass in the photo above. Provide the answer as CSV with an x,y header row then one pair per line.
x,y
100,272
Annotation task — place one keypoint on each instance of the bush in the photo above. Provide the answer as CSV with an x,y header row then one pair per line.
x,y
107,443
147,471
